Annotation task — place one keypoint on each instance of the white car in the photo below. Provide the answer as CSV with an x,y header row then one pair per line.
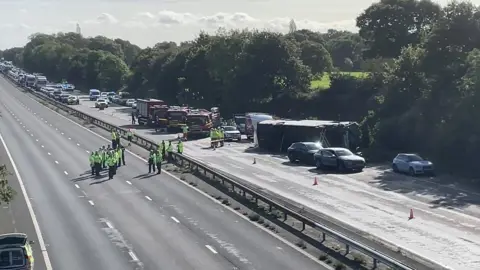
x,y
232,133
129,102
101,101
134,105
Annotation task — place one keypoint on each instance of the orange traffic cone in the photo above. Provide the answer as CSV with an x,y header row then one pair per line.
x,y
315,182
411,214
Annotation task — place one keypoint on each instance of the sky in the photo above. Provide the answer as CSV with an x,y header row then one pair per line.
x,y
146,22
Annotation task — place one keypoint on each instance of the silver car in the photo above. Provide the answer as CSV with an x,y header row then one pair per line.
x,y
232,133
412,164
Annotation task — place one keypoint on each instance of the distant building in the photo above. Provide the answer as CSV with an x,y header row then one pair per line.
x,y
79,30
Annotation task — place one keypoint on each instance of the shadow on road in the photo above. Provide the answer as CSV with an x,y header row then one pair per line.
x,y
99,182
445,190
124,110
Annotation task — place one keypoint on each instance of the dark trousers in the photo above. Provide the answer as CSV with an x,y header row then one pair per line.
x,y
114,169
119,162
98,168
93,168
151,166
170,157
114,144
159,168
104,163
118,141
123,158
111,172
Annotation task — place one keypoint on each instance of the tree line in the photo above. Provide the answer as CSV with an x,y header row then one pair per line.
x,y
420,94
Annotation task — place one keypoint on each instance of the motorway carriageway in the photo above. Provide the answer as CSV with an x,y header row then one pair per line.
x,y
134,221
374,201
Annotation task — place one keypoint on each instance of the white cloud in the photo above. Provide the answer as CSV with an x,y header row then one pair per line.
x,y
170,19
104,18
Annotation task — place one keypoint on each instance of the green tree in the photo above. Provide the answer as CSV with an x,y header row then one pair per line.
x,y
390,25
315,56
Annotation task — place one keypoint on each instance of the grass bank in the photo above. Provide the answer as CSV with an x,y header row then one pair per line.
x,y
324,81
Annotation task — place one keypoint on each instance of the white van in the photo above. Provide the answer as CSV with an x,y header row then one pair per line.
x,y
94,94
251,121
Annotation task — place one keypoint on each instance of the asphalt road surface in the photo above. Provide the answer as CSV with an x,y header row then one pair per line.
x,y
376,201
15,217
135,221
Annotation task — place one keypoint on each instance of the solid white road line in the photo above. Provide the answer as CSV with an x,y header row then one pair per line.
x,y
36,226
211,249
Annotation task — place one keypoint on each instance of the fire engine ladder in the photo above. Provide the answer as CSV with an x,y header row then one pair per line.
x,y
323,139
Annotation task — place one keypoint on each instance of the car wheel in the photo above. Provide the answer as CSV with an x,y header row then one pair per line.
x,y
411,171
395,168
291,158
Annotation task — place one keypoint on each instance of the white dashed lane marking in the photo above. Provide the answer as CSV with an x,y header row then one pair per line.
x,y
56,162
133,256
211,249
148,198
65,172
77,186
175,219
91,203
49,153
128,182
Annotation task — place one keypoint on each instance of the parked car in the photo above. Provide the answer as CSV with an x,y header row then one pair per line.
x,y
303,151
134,105
412,164
101,102
339,158
232,133
64,97
73,100
16,251
130,102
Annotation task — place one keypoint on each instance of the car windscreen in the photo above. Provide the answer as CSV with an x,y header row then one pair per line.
x,y
313,146
343,152
414,158
10,258
229,128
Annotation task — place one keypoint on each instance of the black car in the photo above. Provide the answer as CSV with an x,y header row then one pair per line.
x,y
338,158
303,151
